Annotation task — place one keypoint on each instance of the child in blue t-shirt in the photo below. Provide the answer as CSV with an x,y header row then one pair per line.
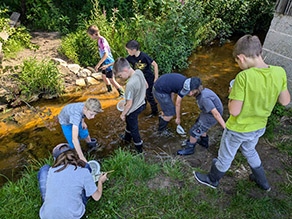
x,y
73,125
106,62
66,186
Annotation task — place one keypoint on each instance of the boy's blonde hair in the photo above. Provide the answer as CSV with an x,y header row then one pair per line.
x,y
248,45
93,105
92,29
120,64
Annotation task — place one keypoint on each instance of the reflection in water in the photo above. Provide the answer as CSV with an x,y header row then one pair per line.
x,y
29,140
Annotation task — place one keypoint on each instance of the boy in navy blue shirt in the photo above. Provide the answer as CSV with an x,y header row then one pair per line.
x,y
164,90
140,60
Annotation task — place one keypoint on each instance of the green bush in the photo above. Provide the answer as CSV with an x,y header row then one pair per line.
x,y
39,77
19,37
239,16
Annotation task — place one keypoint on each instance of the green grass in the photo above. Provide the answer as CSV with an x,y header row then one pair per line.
x,y
140,189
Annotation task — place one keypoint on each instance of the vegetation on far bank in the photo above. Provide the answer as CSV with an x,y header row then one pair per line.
x,y
167,30
141,188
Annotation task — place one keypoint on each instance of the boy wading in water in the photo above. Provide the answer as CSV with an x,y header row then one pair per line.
x,y
106,62
140,60
212,110
253,96
164,91
73,125
135,100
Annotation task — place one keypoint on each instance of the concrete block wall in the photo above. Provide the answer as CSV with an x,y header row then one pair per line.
x,y
277,48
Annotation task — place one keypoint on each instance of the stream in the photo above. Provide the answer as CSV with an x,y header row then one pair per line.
x,y
27,139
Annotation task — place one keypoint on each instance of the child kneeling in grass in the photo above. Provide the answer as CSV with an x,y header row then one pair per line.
x,y
66,186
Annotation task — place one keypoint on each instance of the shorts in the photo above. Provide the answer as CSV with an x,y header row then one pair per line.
x,y
108,74
165,103
203,123
67,130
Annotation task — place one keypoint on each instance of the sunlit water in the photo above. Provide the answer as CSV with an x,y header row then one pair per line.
x,y
30,140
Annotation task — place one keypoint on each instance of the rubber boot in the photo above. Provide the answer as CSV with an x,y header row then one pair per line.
x,y
121,92
212,178
92,144
190,148
204,141
109,88
162,124
127,137
139,147
258,175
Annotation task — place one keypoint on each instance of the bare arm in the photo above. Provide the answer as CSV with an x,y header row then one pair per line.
x,y
76,143
218,117
98,193
284,98
154,64
234,107
101,61
106,66
126,109
177,109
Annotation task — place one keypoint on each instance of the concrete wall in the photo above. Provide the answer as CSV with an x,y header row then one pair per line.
x,y
277,48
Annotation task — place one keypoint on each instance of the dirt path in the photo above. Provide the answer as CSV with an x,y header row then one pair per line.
x,y
48,42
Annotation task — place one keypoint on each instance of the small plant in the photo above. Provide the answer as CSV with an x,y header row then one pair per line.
x,y
38,78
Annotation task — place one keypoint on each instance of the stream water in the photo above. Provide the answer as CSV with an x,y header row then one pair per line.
x,y
28,139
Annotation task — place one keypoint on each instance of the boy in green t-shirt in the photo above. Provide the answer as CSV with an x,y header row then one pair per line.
x,y
253,96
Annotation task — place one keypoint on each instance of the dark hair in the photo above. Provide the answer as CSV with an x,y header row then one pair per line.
x,y
92,29
66,158
120,64
248,45
133,44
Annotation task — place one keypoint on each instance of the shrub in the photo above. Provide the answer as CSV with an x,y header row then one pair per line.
x,y
39,78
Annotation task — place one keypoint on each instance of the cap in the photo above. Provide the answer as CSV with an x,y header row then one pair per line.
x,y
61,148
190,84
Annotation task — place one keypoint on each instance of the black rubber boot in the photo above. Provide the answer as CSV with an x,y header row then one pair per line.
x,y
121,92
258,175
212,178
190,148
204,141
127,137
162,124
92,144
139,147
109,88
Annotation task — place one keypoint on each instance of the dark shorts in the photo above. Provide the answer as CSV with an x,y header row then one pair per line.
x,y
165,103
203,123
108,74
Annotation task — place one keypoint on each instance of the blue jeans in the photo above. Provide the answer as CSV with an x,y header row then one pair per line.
x,y
43,177
231,141
132,125
67,130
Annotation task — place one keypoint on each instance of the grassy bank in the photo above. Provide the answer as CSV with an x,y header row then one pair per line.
x,y
141,188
